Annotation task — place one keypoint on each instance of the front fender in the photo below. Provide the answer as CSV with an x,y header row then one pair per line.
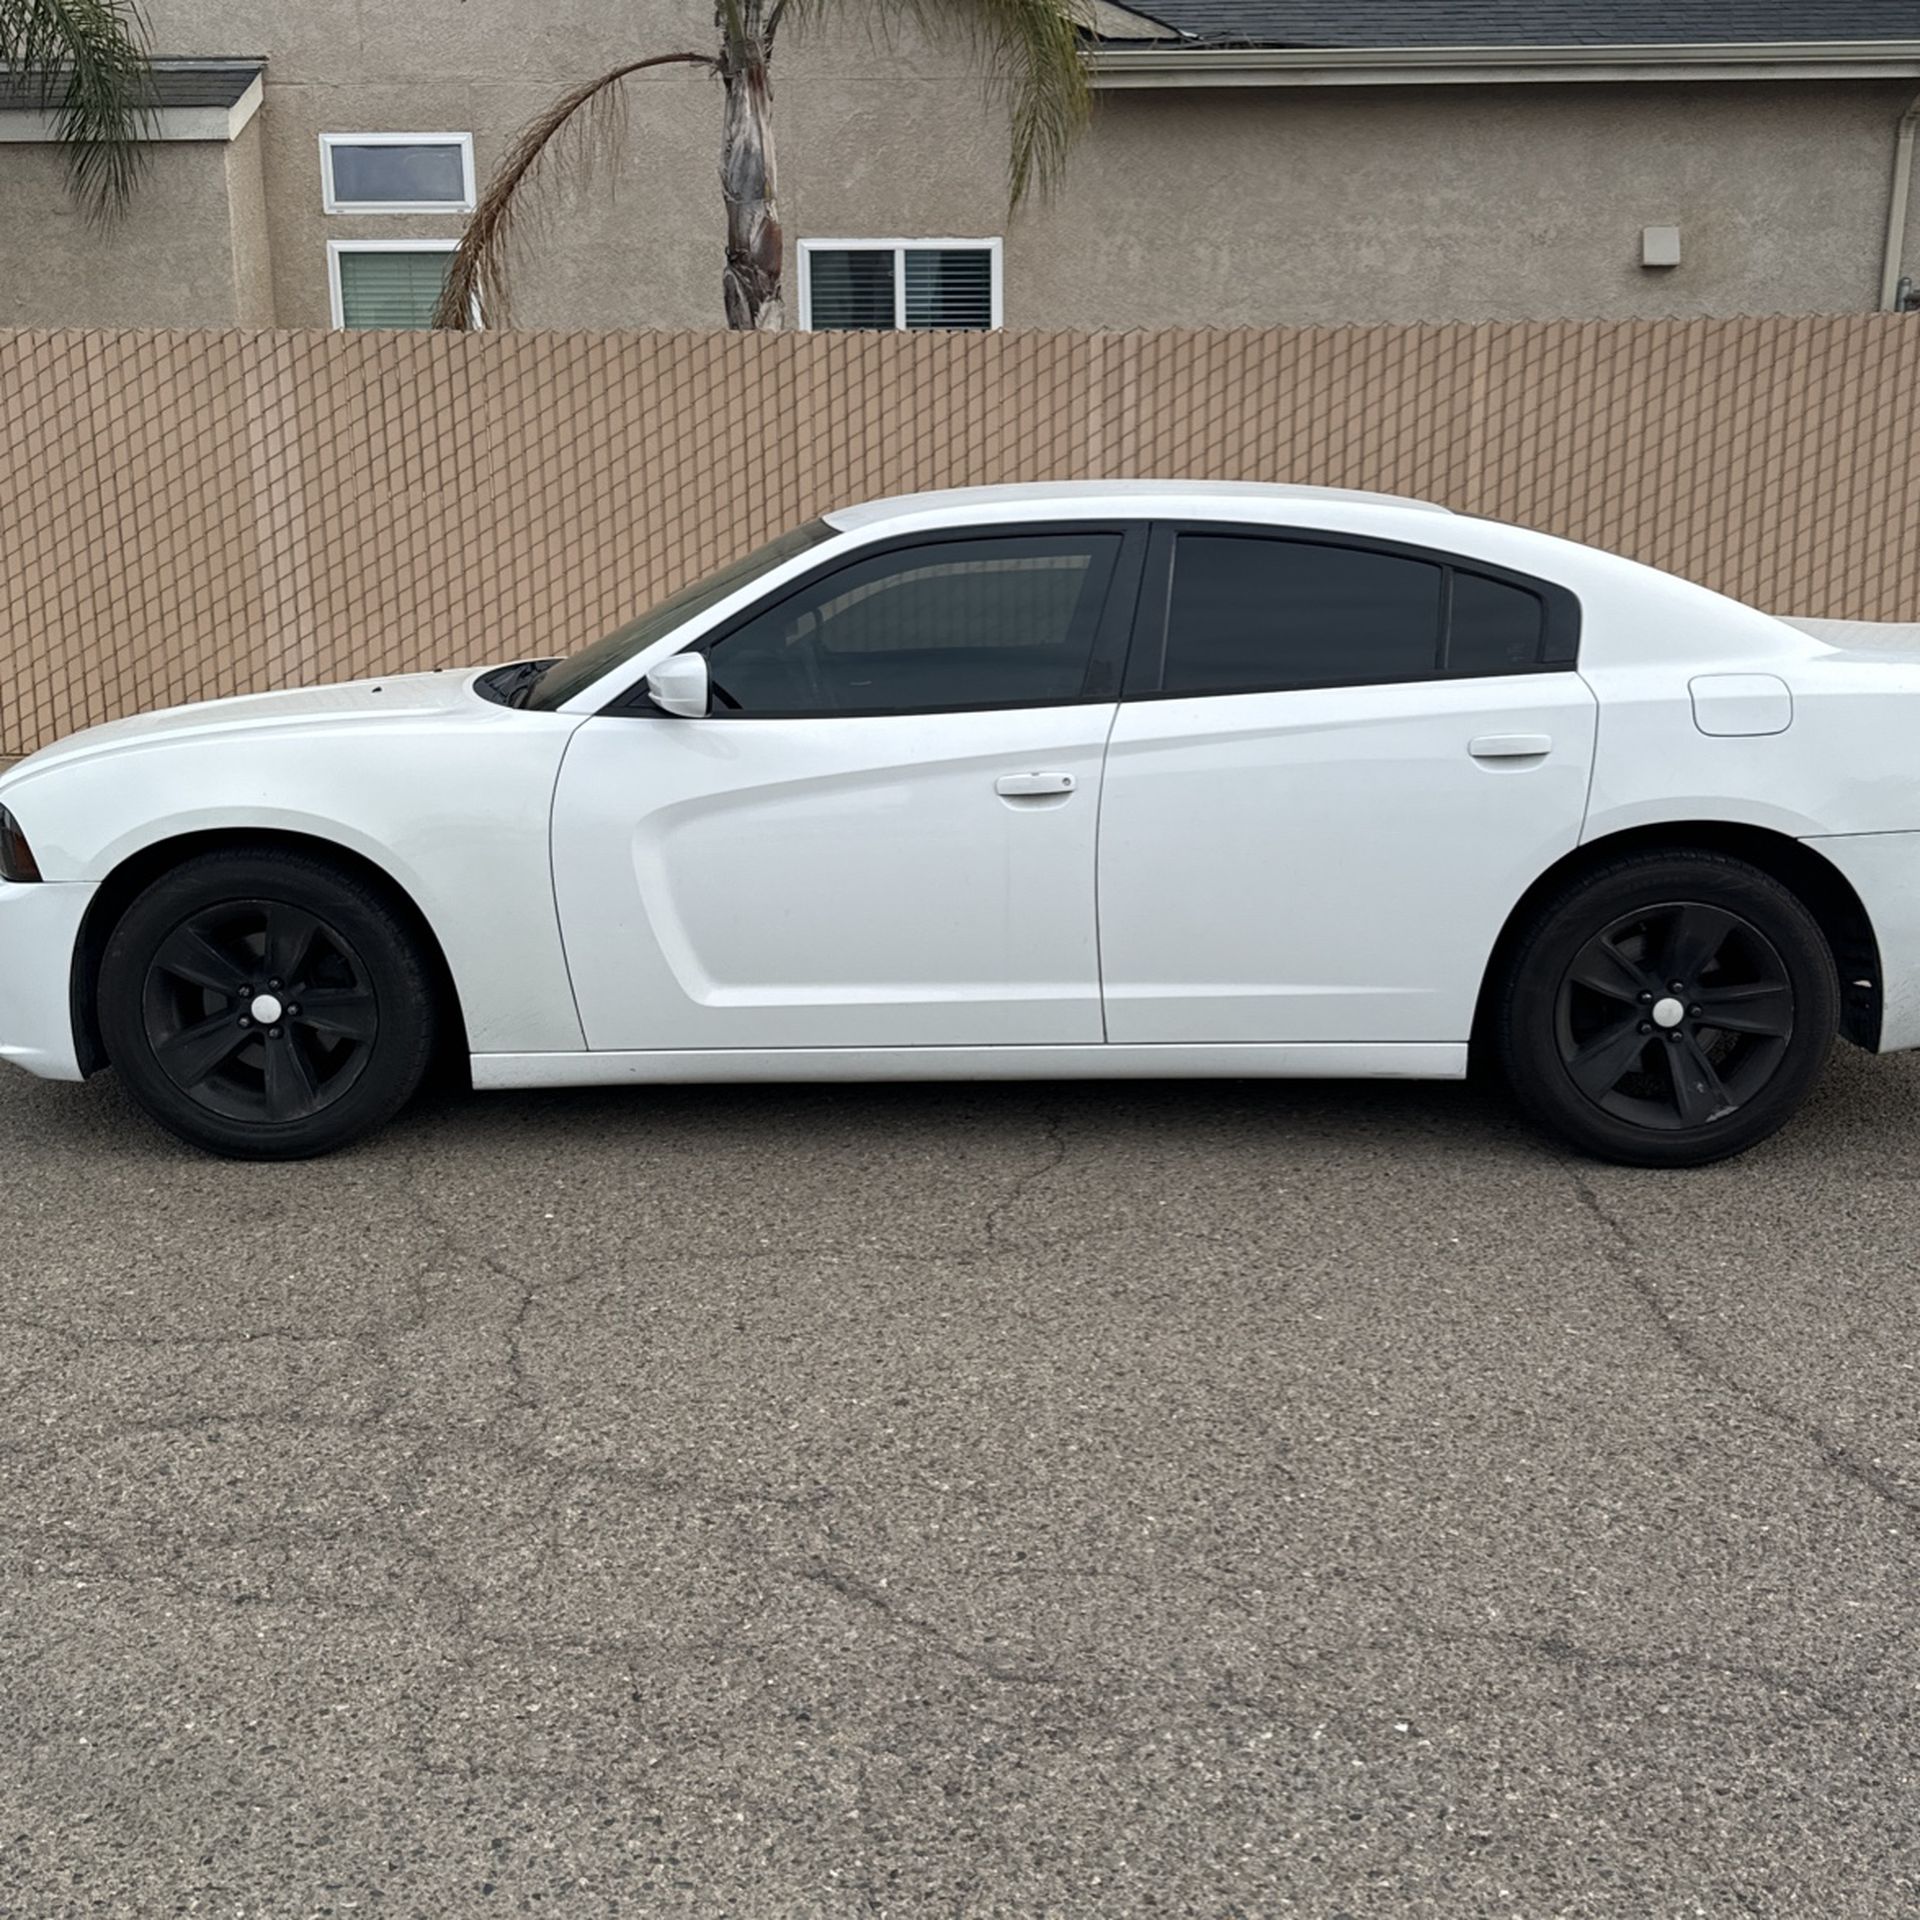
x,y
455,813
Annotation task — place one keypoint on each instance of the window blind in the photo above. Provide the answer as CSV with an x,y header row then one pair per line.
x,y
950,287
853,290
390,289
874,289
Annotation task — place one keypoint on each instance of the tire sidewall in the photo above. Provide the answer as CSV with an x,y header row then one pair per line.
x,y
1529,1041
403,997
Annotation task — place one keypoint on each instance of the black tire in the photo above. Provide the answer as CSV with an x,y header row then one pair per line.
x,y
1601,1050
227,934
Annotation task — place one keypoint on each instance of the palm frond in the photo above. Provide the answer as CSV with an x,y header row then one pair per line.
x,y
581,130
88,61
1032,54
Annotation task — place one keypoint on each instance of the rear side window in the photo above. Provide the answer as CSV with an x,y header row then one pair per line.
x,y
1494,627
1272,614
997,622
1260,613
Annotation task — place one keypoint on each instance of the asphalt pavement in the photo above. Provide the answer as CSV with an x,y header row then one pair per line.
x,y
1160,1500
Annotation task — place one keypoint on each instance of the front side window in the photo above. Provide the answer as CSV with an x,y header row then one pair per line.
x,y
993,622
565,678
886,286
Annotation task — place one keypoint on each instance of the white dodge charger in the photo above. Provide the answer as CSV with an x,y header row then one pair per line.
x,y
1128,779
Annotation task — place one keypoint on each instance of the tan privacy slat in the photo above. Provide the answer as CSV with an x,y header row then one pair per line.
x,y
184,515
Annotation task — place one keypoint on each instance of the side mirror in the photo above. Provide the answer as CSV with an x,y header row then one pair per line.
x,y
681,686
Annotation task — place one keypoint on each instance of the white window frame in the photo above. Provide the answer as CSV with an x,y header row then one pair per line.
x,y
336,295
974,243
464,141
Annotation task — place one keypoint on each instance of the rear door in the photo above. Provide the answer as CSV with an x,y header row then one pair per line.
x,y
1337,767
884,834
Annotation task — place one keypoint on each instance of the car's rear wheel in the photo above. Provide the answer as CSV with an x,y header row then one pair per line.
x,y
266,1005
1668,1009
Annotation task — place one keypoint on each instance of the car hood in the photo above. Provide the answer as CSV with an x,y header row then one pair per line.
x,y
396,697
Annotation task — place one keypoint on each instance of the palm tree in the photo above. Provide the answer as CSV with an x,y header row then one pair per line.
x,y
1030,49
86,60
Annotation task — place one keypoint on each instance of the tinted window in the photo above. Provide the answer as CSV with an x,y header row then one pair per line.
x,y
958,623
1261,614
1494,628
568,677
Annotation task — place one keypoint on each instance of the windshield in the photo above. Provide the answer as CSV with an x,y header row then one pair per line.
x,y
561,681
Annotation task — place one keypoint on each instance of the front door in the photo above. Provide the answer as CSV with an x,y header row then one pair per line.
x,y
884,835
1337,769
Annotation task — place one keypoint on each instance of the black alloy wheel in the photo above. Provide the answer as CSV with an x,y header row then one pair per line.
x,y
1675,1016
260,1011
1670,1008
266,1004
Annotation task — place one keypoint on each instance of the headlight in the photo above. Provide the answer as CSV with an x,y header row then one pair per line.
x,y
16,857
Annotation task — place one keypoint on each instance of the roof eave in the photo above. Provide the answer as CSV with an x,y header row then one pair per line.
x,y
1186,65
25,122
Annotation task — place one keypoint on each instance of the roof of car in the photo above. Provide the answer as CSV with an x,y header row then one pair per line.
x,y
1127,494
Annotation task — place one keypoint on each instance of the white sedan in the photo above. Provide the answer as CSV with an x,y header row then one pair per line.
x,y
1111,779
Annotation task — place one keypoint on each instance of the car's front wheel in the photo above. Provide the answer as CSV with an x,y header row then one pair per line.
x,y
266,1005
1667,1009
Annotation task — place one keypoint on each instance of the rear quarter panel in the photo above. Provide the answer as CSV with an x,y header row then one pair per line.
x,y
1846,763
1843,776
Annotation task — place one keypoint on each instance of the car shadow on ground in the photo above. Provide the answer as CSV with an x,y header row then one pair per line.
x,y
1865,1108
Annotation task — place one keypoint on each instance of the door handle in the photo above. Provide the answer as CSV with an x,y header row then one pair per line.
x,y
1511,746
1028,786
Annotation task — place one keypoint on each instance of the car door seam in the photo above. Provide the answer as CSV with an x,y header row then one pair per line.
x,y
1099,814
1593,757
553,883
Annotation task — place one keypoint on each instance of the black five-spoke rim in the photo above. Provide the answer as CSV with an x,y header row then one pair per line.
x,y
259,1011
1675,1016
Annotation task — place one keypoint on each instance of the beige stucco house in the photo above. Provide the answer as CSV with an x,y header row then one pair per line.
x,y
1252,161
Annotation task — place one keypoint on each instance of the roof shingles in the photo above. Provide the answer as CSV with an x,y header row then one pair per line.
x,y
1532,23
176,83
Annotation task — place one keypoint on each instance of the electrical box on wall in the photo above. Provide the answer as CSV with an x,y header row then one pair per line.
x,y
1659,246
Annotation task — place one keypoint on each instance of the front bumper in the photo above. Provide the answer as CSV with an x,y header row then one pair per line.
x,y
39,929
1885,871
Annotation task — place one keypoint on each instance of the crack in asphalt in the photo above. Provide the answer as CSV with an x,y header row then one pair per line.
x,y
1049,1163
1848,1704
866,1594
1626,1260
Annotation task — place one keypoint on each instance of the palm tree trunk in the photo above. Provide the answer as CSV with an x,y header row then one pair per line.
x,y
756,247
